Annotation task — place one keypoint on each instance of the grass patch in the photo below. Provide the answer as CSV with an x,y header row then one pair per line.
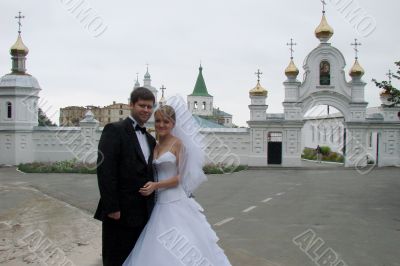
x,y
76,167
222,169
70,166
327,155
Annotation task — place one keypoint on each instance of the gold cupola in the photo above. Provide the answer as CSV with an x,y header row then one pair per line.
x,y
291,71
324,31
356,70
19,48
258,90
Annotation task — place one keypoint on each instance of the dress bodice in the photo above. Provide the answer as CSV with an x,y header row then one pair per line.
x,y
166,167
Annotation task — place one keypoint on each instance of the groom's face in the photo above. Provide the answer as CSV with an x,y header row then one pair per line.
x,y
142,110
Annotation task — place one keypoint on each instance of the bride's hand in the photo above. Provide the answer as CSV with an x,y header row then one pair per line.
x,y
148,188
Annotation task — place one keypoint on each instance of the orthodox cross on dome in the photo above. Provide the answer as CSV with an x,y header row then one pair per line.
x,y
390,75
137,76
291,44
162,90
356,44
19,17
258,73
323,6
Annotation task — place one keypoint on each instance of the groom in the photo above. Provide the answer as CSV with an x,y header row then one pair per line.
x,y
124,165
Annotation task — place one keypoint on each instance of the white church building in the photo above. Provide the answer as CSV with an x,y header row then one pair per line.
x,y
270,139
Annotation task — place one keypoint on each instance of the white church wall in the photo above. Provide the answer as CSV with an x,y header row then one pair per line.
x,y
226,146
65,143
53,144
323,132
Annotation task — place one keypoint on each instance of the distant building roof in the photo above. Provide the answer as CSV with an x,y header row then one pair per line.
x,y
204,123
218,112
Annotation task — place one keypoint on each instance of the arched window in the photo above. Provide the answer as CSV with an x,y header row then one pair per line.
x,y
121,112
312,133
9,110
319,133
195,105
204,105
370,140
325,73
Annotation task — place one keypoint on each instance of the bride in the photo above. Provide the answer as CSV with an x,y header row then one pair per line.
x,y
177,232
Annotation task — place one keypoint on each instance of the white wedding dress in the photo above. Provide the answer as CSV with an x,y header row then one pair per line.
x,y
177,232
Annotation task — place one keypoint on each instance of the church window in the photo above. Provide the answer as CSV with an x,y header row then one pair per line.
x,y
325,73
9,110
370,140
195,105
319,134
109,112
204,105
313,133
325,133
332,133
121,112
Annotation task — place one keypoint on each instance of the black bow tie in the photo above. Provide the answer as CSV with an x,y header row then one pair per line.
x,y
139,128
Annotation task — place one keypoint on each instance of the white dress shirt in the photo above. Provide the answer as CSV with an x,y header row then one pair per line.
x,y
144,145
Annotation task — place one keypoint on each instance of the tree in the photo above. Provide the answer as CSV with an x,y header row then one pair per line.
x,y
387,86
43,120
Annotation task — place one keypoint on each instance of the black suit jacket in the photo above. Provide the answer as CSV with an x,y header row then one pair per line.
x,y
121,172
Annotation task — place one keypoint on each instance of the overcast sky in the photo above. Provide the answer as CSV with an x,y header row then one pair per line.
x,y
77,64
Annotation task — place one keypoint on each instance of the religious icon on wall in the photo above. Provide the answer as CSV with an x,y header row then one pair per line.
x,y
325,73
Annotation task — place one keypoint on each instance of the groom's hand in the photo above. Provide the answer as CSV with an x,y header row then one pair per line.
x,y
115,215
148,188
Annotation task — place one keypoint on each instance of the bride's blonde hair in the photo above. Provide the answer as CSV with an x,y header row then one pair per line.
x,y
167,111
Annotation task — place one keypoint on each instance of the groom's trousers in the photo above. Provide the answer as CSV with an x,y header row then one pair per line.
x,y
118,241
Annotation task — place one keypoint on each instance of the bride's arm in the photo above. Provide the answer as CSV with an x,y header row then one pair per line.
x,y
167,183
149,188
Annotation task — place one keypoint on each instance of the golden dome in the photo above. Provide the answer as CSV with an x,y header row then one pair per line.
x,y
258,90
356,70
19,47
291,70
324,32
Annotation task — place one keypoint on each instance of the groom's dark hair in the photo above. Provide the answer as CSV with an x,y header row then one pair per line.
x,y
142,93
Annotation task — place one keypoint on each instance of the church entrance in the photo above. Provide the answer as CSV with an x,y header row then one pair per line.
x,y
274,147
324,126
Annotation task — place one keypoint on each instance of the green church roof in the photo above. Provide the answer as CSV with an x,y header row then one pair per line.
x,y
200,89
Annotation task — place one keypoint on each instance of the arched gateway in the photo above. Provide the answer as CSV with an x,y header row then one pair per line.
x,y
324,83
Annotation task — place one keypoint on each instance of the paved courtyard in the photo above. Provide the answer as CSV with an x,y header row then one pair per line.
x,y
267,217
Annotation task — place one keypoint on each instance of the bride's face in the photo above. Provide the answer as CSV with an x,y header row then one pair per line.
x,y
163,124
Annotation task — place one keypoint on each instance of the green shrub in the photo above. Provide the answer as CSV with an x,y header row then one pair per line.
x,y
327,155
221,168
73,166
309,154
70,166
340,159
325,150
